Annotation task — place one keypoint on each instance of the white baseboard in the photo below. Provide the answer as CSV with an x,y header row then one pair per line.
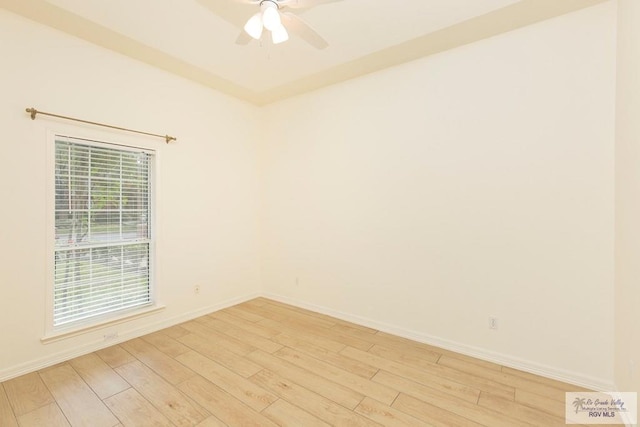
x,y
490,356
37,364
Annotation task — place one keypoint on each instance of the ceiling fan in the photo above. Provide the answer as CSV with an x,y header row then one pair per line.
x,y
272,15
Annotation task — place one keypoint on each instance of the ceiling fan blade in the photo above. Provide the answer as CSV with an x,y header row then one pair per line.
x,y
243,38
304,4
295,25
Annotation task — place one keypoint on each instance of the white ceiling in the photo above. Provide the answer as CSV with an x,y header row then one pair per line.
x,y
196,38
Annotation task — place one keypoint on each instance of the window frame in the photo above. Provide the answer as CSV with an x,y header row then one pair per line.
x,y
54,333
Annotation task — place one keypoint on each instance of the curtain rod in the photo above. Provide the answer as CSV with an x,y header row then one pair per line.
x,y
33,112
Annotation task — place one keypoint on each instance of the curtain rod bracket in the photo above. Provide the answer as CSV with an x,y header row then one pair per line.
x,y
33,112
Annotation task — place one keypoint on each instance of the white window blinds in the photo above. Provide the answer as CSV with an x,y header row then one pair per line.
x,y
102,230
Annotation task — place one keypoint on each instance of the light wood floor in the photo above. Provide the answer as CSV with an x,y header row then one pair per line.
x,y
264,363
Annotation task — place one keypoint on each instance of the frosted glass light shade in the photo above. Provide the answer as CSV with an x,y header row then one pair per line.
x,y
279,34
254,26
270,16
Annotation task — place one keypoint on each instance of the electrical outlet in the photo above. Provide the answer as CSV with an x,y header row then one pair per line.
x,y
110,336
297,282
196,289
493,322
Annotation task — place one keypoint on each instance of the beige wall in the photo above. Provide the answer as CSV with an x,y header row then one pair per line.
x,y
627,323
207,192
478,182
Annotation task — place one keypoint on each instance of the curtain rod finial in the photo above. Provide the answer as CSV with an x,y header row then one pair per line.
x,y
32,112
169,138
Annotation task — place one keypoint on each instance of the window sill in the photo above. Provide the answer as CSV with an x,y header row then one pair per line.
x,y
59,335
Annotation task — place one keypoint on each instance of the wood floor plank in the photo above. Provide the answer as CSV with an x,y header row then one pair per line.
x,y
270,304
361,385
408,356
310,324
540,403
371,339
454,387
315,382
469,366
226,358
211,422
520,412
449,403
352,328
7,417
285,414
258,301
430,373
47,416
232,344
305,334
362,334
80,405
250,339
175,331
271,312
133,410
222,405
324,408
232,383
243,313
387,339
252,327
431,414
300,316
417,389
329,321
354,366
542,380
102,379
519,382
166,344
337,322
171,370
27,393
342,338
483,363
160,393
115,356
386,415
323,317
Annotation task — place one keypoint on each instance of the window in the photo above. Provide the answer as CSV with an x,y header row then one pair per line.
x,y
103,234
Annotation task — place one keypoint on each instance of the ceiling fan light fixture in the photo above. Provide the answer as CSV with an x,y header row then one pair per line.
x,y
270,15
279,34
254,26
